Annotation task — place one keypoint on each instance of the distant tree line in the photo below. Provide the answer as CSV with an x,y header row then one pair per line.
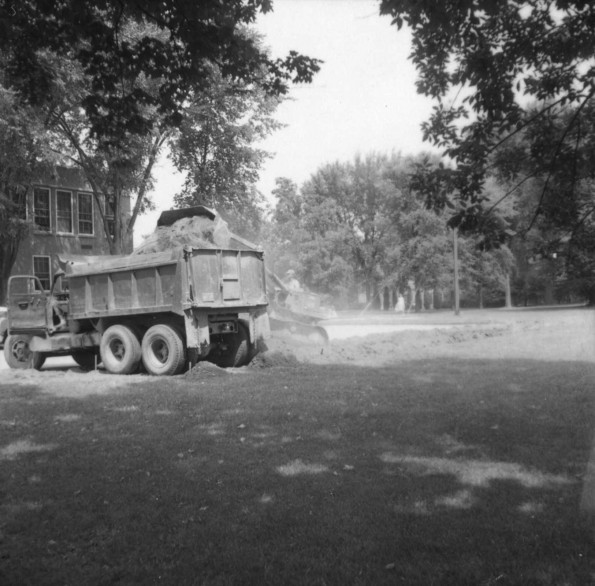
x,y
356,228
363,226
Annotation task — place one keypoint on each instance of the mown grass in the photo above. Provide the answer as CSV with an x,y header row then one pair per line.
x,y
449,472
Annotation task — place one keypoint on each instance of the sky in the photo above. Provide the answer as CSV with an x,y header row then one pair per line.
x,y
363,99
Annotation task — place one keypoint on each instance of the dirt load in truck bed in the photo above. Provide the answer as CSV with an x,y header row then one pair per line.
x,y
198,231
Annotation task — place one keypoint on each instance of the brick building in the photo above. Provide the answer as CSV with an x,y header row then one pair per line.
x,y
65,219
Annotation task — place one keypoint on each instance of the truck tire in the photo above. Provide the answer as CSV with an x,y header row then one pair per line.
x,y
18,354
120,350
163,350
234,349
85,359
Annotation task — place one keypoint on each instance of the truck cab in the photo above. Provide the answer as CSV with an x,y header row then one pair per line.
x,y
32,312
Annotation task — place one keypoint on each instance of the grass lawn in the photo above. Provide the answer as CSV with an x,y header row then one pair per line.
x,y
450,471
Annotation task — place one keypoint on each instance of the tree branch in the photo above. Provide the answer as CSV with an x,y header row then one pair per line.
x,y
556,153
154,152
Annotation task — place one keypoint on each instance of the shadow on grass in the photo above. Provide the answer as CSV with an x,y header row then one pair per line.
x,y
448,472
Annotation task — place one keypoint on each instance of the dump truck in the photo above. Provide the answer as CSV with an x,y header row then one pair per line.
x,y
162,311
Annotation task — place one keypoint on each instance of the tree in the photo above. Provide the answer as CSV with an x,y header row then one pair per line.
x,y
24,152
345,205
195,35
282,232
215,143
421,255
113,78
481,60
549,171
117,171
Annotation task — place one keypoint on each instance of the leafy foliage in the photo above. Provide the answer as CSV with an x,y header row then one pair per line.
x,y
194,36
481,60
548,170
24,152
113,81
347,205
215,143
361,226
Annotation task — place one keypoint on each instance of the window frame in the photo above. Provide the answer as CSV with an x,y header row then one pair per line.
x,y
110,216
78,214
41,279
37,228
58,217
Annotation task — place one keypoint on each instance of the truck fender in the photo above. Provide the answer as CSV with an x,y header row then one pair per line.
x,y
3,330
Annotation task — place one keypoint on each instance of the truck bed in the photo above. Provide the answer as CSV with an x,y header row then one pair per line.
x,y
170,281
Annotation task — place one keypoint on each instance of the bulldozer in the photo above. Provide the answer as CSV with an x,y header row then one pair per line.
x,y
296,312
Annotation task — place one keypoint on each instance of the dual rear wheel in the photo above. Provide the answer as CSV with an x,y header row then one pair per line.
x,y
162,350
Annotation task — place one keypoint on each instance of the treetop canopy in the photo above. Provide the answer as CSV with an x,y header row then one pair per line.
x,y
177,49
483,61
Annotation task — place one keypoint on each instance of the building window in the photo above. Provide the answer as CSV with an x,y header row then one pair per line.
x,y
41,269
85,210
41,209
64,212
110,215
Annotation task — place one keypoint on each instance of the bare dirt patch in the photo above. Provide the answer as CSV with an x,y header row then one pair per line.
x,y
70,383
555,335
24,446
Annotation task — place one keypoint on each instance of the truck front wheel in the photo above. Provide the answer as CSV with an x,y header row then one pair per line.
x,y
120,350
18,354
163,350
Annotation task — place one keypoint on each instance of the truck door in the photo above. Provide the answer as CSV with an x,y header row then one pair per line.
x,y
27,302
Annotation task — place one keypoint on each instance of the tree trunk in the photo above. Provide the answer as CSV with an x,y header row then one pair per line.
x,y
508,294
8,255
412,298
480,295
431,292
590,295
549,293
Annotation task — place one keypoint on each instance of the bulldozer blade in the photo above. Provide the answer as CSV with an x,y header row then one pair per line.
x,y
307,332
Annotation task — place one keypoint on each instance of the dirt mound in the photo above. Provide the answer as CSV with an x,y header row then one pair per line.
x,y
370,350
205,369
197,231
275,358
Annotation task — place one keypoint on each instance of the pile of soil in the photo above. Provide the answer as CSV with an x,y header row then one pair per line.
x,y
374,350
205,369
197,231
275,358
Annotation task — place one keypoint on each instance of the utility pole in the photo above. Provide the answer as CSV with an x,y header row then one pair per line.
x,y
455,249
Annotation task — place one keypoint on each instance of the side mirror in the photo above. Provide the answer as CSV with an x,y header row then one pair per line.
x,y
57,277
